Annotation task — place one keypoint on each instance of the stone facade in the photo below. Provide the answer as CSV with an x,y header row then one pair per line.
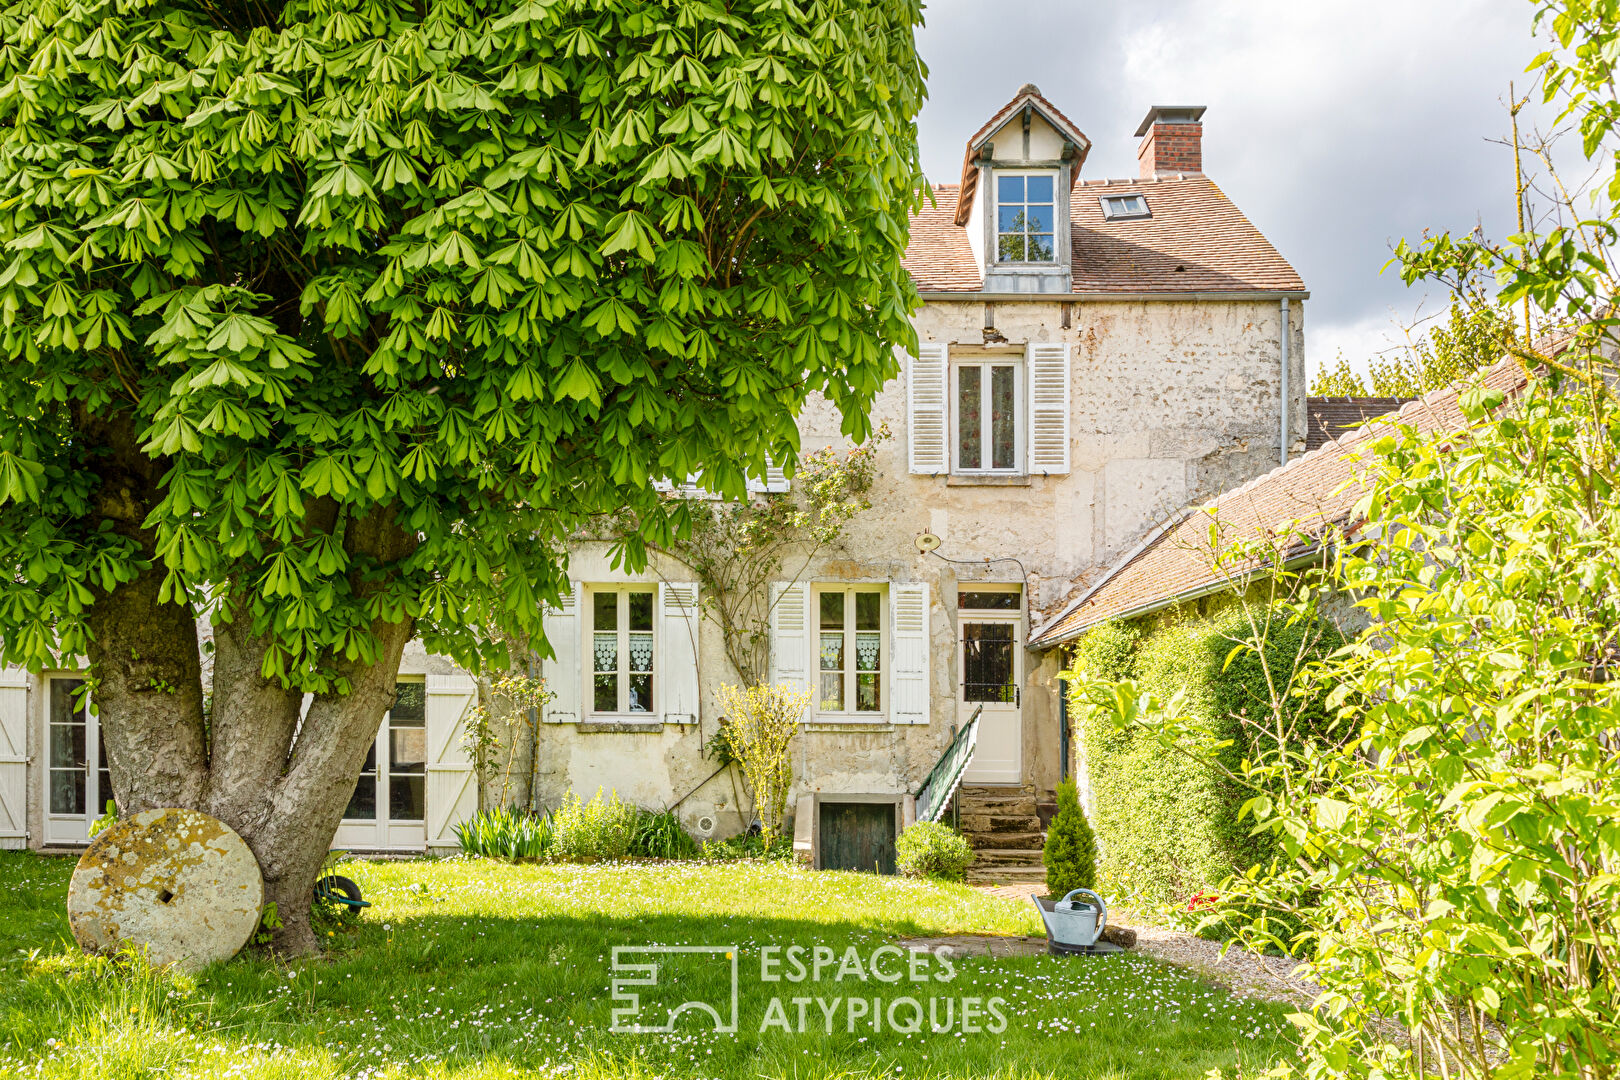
x,y
1172,399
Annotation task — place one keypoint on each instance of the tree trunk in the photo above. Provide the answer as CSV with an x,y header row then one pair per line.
x,y
279,774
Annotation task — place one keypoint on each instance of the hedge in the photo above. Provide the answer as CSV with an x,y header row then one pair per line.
x,y
1166,824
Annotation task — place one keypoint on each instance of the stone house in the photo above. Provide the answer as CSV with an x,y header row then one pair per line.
x,y
1093,355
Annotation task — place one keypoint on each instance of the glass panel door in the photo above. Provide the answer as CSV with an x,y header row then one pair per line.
x,y
406,775
76,793
389,806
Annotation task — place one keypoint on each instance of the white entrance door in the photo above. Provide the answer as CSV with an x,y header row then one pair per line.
x,y
388,810
75,792
988,678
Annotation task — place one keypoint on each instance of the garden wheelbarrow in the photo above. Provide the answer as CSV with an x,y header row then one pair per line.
x,y
1074,925
336,889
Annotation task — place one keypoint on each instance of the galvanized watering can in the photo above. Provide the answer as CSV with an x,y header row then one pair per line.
x,y
1072,922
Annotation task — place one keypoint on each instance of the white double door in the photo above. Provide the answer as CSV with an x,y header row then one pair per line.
x,y
989,677
388,810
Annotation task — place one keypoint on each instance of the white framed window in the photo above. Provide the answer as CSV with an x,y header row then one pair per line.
x,y
1026,217
621,650
851,630
987,416
1123,207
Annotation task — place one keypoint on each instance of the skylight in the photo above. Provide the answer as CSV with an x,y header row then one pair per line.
x,y
1124,207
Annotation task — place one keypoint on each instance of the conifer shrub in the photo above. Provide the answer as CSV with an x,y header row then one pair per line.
x,y
1071,848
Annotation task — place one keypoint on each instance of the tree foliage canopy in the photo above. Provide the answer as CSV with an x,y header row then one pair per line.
x,y
1471,338
279,277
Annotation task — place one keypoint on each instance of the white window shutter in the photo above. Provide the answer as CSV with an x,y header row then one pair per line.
x,y
928,428
14,758
452,785
675,671
790,633
562,673
1048,435
908,676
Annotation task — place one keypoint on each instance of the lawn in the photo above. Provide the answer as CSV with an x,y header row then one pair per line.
x,y
477,969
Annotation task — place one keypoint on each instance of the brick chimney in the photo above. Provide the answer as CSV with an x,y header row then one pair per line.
x,y
1172,141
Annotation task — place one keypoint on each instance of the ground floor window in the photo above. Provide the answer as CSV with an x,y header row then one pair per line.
x,y
622,650
850,637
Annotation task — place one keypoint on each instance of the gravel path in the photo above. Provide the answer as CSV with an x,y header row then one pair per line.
x,y
1270,978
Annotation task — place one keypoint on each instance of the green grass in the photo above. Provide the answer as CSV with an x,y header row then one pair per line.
x,y
476,969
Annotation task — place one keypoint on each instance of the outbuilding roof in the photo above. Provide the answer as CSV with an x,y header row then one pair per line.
x,y
1309,495
1326,418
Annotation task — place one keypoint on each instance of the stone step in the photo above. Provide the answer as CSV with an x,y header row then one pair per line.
x,y
1006,841
1035,876
984,857
1019,805
972,823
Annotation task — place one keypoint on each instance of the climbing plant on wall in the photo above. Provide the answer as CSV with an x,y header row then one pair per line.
x,y
737,548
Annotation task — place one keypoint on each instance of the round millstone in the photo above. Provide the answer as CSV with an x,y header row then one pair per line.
x,y
175,883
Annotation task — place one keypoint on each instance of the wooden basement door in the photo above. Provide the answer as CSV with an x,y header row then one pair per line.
x,y
857,836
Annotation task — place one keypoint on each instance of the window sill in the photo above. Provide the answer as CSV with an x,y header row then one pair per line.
x,y
607,726
987,480
840,725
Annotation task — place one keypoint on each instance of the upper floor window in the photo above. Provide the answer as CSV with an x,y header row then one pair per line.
x,y
849,635
1026,218
987,409
621,640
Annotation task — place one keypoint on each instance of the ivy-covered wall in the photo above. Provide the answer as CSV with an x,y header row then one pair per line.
x,y
1167,821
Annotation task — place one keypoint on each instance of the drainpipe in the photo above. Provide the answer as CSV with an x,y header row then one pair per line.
x,y
1063,730
1286,333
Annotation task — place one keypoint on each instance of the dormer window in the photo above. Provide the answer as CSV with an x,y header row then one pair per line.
x,y
1124,207
1026,217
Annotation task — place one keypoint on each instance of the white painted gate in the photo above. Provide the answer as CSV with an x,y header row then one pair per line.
x,y
13,758
452,787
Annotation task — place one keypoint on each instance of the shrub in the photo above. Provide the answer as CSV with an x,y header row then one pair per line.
x,y
1071,848
759,731
1167,821
660,835
504,833
748,846
931,850
593,831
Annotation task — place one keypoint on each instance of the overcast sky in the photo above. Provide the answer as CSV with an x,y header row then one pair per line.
x,y
1338,127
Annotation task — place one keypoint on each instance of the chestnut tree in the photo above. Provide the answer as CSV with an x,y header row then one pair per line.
x,y
329,321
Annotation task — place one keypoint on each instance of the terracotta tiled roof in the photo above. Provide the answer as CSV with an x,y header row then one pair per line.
x,y
939,258
1327,418
1027,94
1313,492
1194,241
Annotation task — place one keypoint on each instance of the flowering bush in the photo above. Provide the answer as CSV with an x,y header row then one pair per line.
x,y
931,850
759,729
